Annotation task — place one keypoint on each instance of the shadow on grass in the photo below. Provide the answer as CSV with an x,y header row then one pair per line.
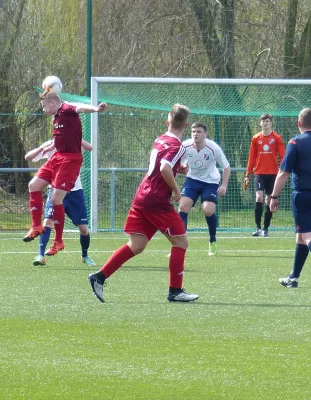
x,y
201,303
251,256
254,305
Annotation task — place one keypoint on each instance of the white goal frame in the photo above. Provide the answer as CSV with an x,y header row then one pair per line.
x,y
173,81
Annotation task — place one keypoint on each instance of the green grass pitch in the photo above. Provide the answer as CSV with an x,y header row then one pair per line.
x,y
246,338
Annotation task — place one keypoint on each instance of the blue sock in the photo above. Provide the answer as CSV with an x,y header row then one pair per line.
x,y
43,240
301,254
184,217
85,244
212,224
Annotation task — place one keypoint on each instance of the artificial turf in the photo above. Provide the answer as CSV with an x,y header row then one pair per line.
x,y
246,338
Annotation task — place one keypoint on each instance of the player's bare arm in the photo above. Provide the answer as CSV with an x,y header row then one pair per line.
x,y
168,176
86,108
86,145
35,152
280,181
222,190
48,148
32,154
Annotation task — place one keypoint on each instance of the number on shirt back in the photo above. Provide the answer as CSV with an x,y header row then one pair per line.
x,y
152,161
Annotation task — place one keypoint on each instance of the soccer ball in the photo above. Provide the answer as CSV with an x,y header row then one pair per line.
x,y
52,84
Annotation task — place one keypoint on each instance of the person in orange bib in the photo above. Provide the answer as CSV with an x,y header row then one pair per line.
x,y
266,153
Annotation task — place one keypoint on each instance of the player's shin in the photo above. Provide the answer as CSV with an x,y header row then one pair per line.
x,y
118,258
184,217
59,221
176,267
35,206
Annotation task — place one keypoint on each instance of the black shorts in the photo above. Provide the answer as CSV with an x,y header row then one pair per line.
x,y
265,183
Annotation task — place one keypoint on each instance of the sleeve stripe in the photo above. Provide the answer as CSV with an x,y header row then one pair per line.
x,y
178,155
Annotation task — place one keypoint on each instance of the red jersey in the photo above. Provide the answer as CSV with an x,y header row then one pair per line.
x,y
264,152
67,129
153,193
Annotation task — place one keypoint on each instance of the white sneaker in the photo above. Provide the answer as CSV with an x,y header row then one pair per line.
x,y
39,260
289,282
182,296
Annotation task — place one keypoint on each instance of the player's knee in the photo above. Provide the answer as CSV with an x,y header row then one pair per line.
x,y
184,208
83,230
57,198
208,209
259,198
137,248
180,241
185,205
137,243
32,187
48,223
56,201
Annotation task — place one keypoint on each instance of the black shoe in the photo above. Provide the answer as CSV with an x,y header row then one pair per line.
x,y
182,296
257,232
97,286
289,282
264,233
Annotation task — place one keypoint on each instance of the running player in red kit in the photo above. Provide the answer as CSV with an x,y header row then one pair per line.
x,y
152,210
62,169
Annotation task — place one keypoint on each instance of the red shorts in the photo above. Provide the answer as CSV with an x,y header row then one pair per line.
x,y
62,170
148,222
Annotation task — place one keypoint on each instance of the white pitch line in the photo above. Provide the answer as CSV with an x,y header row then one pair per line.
x,y
162,237
155,251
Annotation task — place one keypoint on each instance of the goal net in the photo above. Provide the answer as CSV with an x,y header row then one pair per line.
x,y
138,107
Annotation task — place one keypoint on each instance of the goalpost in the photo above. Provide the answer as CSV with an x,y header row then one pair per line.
x,y
230,108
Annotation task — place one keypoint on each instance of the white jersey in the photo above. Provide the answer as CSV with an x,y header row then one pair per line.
x,y
48,155
202,163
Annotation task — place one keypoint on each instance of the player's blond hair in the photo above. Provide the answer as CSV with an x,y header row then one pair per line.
x,y
178,116
50,96
305,118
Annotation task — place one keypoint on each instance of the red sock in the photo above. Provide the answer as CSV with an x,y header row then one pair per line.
x,y
118,258
176,266
35,206
59,221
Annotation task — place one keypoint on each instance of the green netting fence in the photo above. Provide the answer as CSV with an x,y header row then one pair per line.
x,y
136,116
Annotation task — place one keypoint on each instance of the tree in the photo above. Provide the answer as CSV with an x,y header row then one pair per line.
x,y
11,149
302,54
219,46
36,41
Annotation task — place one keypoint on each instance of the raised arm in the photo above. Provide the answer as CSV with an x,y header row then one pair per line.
x,y
87,108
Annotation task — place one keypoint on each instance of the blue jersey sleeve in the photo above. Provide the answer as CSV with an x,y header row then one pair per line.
x,y
289,159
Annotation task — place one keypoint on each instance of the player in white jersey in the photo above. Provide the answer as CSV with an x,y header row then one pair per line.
x,y
75,208
203,178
